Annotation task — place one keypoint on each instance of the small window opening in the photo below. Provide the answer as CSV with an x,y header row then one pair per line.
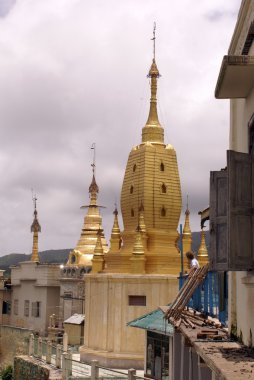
x,y
131,189
134,167
163,211
132,212
162,167
137,300
163,188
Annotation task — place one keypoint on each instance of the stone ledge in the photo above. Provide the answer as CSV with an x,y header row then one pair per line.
x,y
30,368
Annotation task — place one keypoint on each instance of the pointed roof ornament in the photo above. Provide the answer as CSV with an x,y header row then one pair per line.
x,y
98,250
153,132
115,239
93,188
186,228
203,252
138,248
115,228
35,228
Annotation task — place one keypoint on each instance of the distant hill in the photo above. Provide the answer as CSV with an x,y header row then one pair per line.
x,y
58,256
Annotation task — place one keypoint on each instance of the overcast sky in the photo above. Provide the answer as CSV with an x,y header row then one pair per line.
x,y
73,72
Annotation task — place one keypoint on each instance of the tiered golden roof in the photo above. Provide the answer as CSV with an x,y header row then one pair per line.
x,y
82,254
35,228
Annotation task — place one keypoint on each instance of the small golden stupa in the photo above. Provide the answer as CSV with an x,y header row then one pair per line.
x,y
83,253
187,236
203,257
35,228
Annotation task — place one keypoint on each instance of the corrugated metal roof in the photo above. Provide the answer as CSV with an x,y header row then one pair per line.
x,y
75,319
153,321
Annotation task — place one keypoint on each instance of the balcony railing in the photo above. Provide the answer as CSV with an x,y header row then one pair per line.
x,y
211,297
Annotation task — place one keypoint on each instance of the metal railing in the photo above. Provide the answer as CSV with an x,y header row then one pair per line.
x,y
62,357
211,297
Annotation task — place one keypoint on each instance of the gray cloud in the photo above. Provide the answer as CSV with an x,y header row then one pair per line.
x,y
5,7
73,73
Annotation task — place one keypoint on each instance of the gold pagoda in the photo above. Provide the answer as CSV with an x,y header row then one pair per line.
x,y
143,262
151,195
83,253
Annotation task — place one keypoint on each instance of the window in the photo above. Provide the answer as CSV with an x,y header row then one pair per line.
x,y
163,211
73,259
16,307
67,295
134,168
132,212
163,188
131,189
6,308
137,300
26,308
36,309
162,167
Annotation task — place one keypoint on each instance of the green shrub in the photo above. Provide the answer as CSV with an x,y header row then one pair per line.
x,y
6,373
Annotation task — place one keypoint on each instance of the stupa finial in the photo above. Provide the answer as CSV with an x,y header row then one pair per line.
x,y
153,132
35,228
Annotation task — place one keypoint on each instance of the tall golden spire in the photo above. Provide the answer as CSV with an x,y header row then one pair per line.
x,y
138,254
186,228
35,228
98,257
187,235
82,254
153,132
115,240
203,252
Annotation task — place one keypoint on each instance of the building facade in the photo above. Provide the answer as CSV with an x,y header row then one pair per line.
x,y
236,82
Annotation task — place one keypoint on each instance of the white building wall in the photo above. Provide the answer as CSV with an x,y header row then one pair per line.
x,y
35,283
241,284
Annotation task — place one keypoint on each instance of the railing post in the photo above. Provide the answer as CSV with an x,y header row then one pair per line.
x,y
64,365
53,320
58,355
69,363
50,321
131,374
49,352
31,345
40,347
65,342
94,370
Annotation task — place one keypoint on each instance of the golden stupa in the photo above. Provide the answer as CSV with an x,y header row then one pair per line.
x,y
187,238
150,202
83,253
35,228
203,257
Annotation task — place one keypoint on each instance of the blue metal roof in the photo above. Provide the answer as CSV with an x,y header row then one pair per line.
x,y
153,321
